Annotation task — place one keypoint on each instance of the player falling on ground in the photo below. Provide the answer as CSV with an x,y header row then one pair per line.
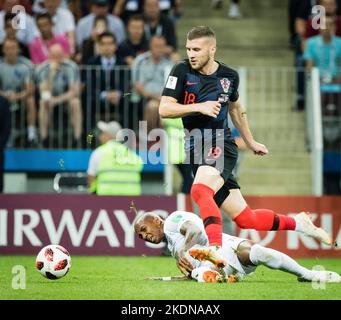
x,y
184,230
202,91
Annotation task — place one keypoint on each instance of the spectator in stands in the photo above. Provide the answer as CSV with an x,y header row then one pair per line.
x,y
127,8
5,129
150,70
171,8
90,47
63,21
58,80
324,52
304,12
11,33
293,8
16,85
136,42
108,57
73,5
113,168
107,79
39,6
302,15
234,11
39,48
159,25
24,35
83,7
99,8
331,10
27,4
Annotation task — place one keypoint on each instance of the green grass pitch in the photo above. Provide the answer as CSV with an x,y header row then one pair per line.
x,y
117,278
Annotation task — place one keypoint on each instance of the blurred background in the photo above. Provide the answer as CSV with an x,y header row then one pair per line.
x,y
76,63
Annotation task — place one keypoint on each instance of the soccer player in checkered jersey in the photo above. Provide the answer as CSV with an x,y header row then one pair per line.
x,y
202,91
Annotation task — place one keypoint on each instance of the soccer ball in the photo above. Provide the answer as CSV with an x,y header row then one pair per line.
x,y
53,262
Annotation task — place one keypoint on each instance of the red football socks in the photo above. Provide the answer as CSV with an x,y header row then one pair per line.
x,y
209,211
264,220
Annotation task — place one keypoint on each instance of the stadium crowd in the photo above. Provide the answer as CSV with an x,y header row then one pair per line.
x,y
316,39
66,65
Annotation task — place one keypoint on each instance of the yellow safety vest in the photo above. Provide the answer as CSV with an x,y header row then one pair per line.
x,y
119,170
175,133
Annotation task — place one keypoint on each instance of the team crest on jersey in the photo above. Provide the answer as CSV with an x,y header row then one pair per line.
x,y
225,83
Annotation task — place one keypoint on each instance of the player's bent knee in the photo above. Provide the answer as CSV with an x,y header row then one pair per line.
x,y
200,191
263,255
243,252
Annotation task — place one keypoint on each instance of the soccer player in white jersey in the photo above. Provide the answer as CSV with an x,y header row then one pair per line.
x,y
185,232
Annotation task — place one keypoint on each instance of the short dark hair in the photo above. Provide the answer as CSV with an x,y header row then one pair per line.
x,y
9,16
101,3
200,32
45,15
106,34
157,36
99,18
135,17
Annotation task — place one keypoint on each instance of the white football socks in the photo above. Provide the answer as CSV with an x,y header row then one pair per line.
x,y
299,227
277,260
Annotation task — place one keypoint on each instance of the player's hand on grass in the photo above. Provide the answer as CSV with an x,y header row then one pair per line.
x,y
183,264
210,108
258,148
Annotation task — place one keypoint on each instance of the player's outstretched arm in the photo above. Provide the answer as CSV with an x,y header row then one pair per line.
x,y
192,234
170,108
239,119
